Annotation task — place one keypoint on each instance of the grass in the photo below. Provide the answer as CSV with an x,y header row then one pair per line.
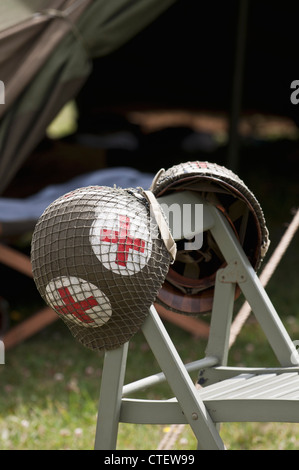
x,y
50,384
50,388
47,390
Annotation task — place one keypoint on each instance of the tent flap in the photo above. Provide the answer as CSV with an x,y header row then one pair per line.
x,y
46,53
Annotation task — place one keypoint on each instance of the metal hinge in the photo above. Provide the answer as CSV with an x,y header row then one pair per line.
x,y
233,272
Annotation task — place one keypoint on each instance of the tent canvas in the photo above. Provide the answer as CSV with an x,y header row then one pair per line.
x,y
47,48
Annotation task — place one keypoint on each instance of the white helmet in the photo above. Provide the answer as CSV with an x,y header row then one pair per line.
x,y
99,261
189,285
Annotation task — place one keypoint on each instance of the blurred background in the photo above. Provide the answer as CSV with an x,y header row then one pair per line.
x,y
175,90
201,81
195,81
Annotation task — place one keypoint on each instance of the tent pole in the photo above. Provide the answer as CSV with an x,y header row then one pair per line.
x,y
237,86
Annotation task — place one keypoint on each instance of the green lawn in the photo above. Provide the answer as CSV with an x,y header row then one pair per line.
x,y
49,385
49,390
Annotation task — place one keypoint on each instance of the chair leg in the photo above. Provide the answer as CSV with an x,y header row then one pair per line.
x,y
223,304
253,291
110,398
177,376
181,384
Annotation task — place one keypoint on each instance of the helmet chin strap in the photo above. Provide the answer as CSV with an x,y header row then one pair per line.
x,y
166,235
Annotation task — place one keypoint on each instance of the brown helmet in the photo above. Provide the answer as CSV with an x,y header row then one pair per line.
x,y
189,284
99,261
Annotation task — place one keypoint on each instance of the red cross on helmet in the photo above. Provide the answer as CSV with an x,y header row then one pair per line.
x,y
99,261
189,285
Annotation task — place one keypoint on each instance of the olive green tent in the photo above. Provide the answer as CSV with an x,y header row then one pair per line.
x,y
46,53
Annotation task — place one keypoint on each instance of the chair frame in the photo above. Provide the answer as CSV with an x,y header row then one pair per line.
x,y
190,405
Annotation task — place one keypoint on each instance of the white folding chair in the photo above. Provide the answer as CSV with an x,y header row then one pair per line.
x,y
228,394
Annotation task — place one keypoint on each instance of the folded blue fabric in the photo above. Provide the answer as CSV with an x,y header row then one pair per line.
x,y
30,208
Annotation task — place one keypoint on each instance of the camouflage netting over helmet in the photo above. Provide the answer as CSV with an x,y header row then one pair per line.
x,y
189,285
98,260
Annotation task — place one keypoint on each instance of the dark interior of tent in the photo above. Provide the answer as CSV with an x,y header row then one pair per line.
x,y
204,81
168,94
